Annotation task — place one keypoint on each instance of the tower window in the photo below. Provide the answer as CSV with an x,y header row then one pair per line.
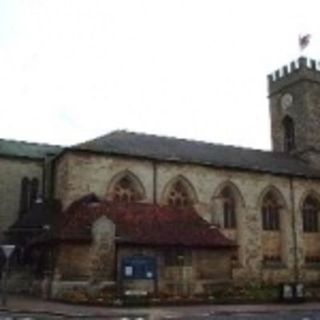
x,y
289,135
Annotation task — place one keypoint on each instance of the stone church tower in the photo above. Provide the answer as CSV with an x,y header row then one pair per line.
x,y
294,94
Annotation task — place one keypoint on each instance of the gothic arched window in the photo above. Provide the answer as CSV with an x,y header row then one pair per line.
x,y
125,190
270,213
289,134
34,190
179,196
24,195
229,208
310,211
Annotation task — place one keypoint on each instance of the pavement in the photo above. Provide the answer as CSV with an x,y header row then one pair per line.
x,y
30,305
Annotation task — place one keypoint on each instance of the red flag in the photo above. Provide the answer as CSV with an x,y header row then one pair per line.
x,y
304,41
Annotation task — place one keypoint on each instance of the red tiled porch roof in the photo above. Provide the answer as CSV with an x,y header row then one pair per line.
x,y
142,223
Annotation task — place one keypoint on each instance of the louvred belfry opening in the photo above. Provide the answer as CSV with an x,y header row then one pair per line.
x,y
289,134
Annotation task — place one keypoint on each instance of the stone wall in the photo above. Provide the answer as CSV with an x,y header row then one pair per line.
x,y
92,260
12,170
81,174
306,272
206,270
73,262
103,250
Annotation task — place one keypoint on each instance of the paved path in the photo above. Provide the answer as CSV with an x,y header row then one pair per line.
x,y
31,305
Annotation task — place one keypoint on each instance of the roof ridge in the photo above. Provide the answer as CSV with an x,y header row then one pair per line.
x,y
184,140
31,143
166,148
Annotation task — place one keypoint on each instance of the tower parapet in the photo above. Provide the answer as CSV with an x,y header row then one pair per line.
x,y
294,101
303,69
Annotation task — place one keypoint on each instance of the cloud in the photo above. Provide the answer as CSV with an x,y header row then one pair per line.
x,y
75,69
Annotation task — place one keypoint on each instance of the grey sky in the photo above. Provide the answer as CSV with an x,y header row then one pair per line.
x,y
72,70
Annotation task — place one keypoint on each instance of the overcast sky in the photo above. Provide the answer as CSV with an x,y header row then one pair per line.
x,y
73,70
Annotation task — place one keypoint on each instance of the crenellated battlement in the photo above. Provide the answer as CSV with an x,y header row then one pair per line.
x,y
303,68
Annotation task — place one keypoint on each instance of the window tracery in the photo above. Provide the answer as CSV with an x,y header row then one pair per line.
x,y
179,196
125,190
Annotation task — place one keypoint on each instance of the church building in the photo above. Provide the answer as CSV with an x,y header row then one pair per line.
x,y
144,213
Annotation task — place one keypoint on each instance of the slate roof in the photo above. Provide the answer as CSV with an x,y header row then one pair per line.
x,y
142,224
196,152
24,149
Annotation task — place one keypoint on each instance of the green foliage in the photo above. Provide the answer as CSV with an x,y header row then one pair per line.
x,y
81,295
312,293
226,294
243,294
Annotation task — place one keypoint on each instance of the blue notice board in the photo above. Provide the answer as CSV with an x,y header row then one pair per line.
x,y
139,267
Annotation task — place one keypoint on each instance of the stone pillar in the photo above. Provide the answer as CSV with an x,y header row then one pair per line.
x,y
103,250
252,244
